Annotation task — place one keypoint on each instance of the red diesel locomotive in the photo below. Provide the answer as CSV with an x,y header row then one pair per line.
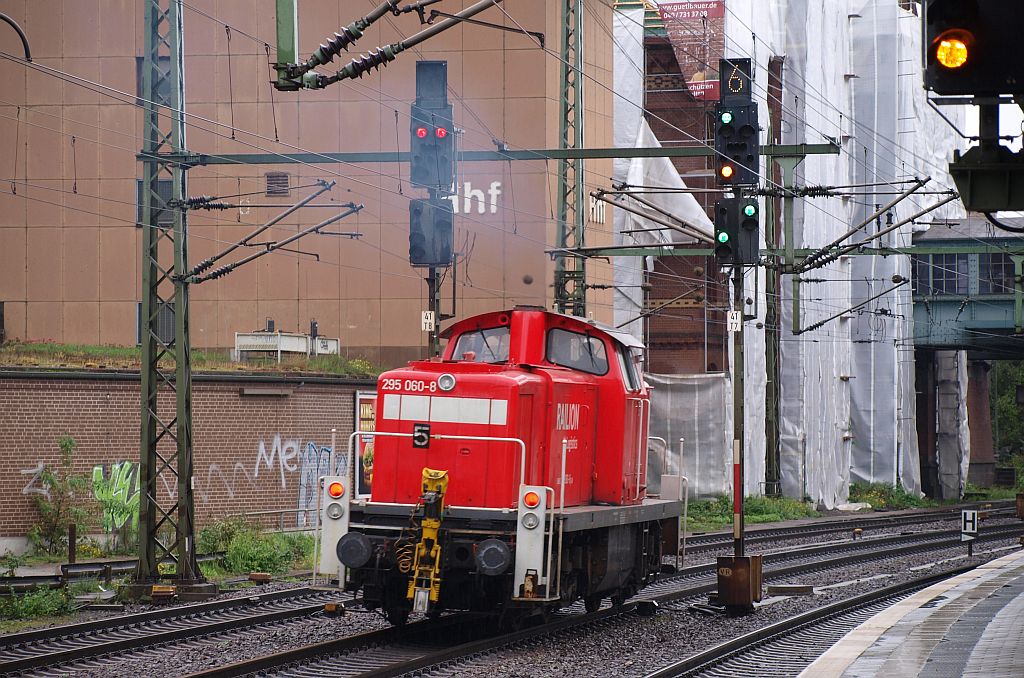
x,y
510,475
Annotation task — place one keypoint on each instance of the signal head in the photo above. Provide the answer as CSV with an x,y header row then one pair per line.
x,y
953,48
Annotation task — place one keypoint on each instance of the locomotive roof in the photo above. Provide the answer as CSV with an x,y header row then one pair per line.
x,y
618,335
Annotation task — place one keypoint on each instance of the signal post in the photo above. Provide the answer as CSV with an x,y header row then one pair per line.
x,y
737,228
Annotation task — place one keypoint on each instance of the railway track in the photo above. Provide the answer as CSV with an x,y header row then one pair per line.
x,y
65,645
105,569
701,543
442,648
78,646
784,649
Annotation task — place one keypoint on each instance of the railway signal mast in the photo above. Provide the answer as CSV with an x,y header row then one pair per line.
x,y
432,166
737,232
970,57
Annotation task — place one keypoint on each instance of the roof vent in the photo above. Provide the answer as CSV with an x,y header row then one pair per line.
x,y
277,183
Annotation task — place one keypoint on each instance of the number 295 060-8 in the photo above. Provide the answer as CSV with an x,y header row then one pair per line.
x,y
410,385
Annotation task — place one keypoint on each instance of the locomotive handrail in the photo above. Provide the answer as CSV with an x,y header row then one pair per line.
x,y
640,447
664,453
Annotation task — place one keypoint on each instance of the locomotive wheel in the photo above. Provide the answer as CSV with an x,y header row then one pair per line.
x,y
592,603
398,616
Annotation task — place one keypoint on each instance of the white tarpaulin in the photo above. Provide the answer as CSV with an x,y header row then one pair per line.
x,y
851,74
632,131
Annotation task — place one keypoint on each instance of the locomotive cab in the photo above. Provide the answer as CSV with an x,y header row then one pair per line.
x,y
511,472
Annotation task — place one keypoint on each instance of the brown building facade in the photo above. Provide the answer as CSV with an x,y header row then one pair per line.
x,y
70,128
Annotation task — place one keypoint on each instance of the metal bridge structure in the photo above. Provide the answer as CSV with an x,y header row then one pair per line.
x,y
969,290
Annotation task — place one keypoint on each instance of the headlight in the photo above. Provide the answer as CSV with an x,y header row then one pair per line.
x,y
530,521
335,510
446,382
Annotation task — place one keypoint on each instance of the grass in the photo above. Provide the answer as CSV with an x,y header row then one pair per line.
x,y
41,602
16,625
883,497
48,354
716,514
247,549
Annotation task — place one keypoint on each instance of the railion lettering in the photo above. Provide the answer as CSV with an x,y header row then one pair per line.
x,y
567,416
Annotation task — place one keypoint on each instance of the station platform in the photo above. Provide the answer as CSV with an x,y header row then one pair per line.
x,y
969,625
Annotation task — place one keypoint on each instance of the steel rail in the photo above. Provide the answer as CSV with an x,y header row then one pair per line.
x,y
748,642
398,654
709,541
51,647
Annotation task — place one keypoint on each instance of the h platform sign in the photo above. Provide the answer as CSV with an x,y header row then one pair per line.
x,y
969,529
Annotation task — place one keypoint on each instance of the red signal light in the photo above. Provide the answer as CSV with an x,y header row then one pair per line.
x,y
336,490
531,499
421,132
441,132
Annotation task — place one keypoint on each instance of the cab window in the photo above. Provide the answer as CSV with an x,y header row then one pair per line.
x,y
628,368
577,351
483,346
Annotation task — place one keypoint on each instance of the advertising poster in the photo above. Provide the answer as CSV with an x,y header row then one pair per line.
x,y
696,29
366,417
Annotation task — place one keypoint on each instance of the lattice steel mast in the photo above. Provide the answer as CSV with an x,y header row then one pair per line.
x,y
570,274
165,448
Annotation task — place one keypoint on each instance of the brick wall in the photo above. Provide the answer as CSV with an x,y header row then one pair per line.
x,y
252,452
687,336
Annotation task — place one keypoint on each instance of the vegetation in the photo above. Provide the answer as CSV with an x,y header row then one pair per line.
x,y
10,562
1007,415
715,514
886,497
48,354
61,503
41,602
247,549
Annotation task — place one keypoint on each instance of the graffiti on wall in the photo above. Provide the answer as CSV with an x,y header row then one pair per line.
x,y
35,483
282,459
117,494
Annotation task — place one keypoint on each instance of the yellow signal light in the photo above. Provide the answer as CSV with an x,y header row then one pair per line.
x,y
953,48
727,171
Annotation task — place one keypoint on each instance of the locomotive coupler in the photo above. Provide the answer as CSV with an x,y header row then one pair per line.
x,y
425,584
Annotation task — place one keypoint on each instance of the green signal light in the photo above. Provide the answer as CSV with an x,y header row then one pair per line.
x,y
750,210
727,117
723,237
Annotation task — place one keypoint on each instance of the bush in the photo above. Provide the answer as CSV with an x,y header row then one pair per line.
x,y
59,505
255,552
883,496
39,603
10,562
299,546
217,535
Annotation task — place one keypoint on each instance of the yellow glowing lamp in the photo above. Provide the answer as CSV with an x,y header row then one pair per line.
x,y
953,48
727,171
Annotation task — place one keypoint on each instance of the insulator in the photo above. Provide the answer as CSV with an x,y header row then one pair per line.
x,y
202,266
222,271
341,41
373,60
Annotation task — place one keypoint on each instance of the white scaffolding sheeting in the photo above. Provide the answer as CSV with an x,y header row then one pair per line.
x,y
632,131
851,74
